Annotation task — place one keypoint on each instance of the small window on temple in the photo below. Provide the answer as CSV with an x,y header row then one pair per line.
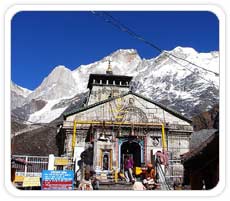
x,y
131,101
105,162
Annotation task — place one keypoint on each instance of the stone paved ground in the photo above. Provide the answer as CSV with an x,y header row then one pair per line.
x,y
118,186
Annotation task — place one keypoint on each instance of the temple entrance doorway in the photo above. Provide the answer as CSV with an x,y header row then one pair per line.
x,y
132,149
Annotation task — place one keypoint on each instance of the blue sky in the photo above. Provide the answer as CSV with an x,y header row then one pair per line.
x,y
43,40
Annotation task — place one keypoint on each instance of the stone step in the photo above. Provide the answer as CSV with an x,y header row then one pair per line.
x,y
115,186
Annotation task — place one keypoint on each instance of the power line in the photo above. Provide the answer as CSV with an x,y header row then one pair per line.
x,y
154,46
132,33
215,73
124,28
191,71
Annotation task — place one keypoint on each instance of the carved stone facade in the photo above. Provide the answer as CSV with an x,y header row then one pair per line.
x,y
117,122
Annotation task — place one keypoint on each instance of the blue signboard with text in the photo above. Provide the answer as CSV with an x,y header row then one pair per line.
x,y
57,179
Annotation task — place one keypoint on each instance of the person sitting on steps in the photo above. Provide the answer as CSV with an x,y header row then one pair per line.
x,y
149,176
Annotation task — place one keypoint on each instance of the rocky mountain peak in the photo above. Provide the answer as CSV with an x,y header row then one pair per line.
x,y
124,52
186,51
18,95
58,74
124,56
19,90
60,68
59,83
185,88
123,62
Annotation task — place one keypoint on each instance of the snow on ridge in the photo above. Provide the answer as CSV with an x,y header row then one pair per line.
x,y
184,50
128,51
26,91
209,61
20,90
46,115
60,67
123,62
58,84
155,77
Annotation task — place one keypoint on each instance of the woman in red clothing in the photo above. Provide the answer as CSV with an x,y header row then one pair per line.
x,y
128,165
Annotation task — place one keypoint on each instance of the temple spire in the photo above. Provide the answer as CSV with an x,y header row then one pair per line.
x,y
109,69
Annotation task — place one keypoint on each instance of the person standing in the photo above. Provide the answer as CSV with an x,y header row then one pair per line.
x,y
128,166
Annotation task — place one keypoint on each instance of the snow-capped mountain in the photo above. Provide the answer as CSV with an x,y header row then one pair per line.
x,y
123,62
18,95
59,84
180,85
19,90
170,81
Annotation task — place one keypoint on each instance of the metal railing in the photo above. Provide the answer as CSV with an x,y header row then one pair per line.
x,y
174,172
30,165
162,177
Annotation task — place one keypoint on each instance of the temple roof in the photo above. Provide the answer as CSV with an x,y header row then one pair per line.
x,y
109,77
169,110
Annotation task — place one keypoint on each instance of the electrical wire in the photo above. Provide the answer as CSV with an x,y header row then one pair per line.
x,y
115,22
154,46
184,66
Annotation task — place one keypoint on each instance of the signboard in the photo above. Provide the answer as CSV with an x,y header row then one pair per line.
x,y
57,179
31,181
61,161
19,178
